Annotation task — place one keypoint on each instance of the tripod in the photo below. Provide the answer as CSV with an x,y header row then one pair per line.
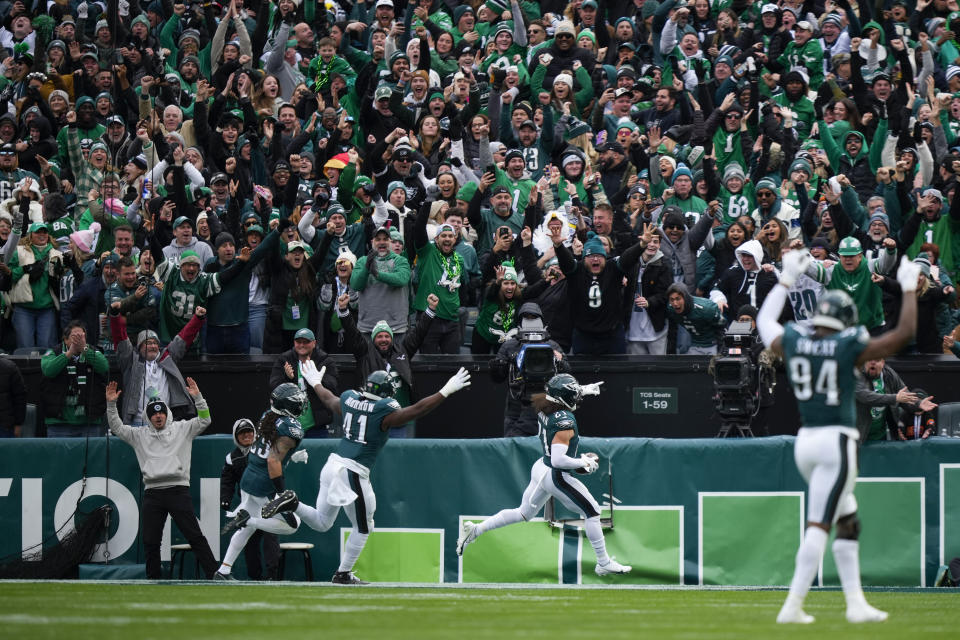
x,y
728,426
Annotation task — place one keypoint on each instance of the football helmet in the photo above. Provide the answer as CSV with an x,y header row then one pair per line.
x,y
380,384
565,390
835,310
288,400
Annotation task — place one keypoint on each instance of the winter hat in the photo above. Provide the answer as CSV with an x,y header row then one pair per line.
x,y
649,8
952,71
60,93
570,157
588,33
672,216
834,19
460,11
380,327
565,27
155,406
882,217
222,238
84,239
189,257
681,170
509,271
115,207
189,34
349,256
565,78
394,185
767,183
923,261
801,165
140,161
593,246
733,170
147,334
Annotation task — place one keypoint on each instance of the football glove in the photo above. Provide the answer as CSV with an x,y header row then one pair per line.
x,y
590,463
795,263
592,389
300,456
459,380
310,374
907,275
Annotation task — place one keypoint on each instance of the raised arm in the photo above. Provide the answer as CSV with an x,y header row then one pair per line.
x,y
459,380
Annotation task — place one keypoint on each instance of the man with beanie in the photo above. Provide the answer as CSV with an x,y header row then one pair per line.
x,y
700,317
382,350
735,193
442,273
681,193
228,329
244,434
680,246
90,301
163,451
595,286
382,279
769,205
854,277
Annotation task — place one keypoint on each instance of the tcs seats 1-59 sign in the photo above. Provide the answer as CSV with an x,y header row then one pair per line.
x,y
654,399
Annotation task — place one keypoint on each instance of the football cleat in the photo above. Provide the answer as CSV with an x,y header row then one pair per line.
x,y
943,577
468,533
223,577
283,503
346,577
611,567
794,616
865,613
239,522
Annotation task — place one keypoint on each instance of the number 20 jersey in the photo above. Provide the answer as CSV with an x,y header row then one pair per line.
x,y
362,418
822,372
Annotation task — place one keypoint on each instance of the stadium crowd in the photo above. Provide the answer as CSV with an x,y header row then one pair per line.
x,y
636,168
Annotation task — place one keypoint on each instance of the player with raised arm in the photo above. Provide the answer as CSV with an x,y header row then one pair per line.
x,y
368,416
278,435
550,474
821,362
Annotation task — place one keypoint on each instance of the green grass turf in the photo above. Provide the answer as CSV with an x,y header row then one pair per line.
x,y
143,611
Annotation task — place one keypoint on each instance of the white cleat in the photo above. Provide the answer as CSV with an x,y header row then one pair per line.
x,y
611,567
467,535
794,616
865,613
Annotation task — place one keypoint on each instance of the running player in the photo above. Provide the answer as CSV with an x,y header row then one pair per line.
x,y
368,416
821,362
550,474
278,435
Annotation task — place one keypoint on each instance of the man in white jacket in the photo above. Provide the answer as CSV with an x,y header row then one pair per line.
x,y
163,451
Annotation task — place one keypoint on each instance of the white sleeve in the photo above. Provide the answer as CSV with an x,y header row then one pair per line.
x,y
767,324
560,460
668,37
305,226
193,175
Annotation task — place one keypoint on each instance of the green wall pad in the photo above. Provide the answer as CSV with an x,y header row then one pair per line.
x,y
749,538
949,512
400,555
891,513
650,539
521,552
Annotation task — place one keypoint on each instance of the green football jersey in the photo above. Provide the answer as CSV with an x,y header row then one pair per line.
x,y
823,373
256,478
363,436
180,297
550,425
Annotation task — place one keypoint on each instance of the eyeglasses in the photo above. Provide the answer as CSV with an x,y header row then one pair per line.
x,y
531,32
734,116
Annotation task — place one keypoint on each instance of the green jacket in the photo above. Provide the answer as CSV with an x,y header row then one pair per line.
x,y
809,56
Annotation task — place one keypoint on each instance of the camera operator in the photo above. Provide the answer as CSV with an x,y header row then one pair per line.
x,y
526,361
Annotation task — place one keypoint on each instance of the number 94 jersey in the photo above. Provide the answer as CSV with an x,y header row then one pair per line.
x,y
823,374
362,418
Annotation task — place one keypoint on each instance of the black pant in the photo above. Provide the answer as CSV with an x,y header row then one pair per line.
x,y
175,501
442,337
271,556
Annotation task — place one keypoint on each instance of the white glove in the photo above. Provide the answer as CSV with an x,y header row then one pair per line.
x,y
907,275
460,380
82,11
300,456
123,8
310,374
795,263
592,389
590,463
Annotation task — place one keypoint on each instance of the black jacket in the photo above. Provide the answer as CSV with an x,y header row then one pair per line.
x,y
55,390
321,414
657,278
13,395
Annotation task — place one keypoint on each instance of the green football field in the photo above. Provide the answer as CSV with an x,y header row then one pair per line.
x,y
194,611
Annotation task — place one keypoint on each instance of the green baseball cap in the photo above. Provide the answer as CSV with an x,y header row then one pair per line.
x,y
304,334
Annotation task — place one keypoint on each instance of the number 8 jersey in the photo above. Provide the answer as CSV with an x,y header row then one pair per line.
x,y
823,373
362,417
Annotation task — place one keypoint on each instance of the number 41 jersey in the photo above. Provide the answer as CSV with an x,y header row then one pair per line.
x,y
362,417
823,373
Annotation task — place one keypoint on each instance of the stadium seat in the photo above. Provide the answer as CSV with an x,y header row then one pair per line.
x,y
304,548
948,417
180,551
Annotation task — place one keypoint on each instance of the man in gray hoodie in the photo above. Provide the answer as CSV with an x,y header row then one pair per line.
x,y
163,450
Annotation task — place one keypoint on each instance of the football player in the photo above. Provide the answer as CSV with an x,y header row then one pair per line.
x,y
368,416
550,474
821,362
278,435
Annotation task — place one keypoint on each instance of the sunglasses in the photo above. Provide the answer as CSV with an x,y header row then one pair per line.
x,y
673,226
563,36
765,194
734,116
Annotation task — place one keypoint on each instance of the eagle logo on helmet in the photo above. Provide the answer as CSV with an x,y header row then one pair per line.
x,y
835,310
288,400
564,390
380,384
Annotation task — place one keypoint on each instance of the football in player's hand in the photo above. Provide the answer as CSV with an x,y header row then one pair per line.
x,y
583,471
